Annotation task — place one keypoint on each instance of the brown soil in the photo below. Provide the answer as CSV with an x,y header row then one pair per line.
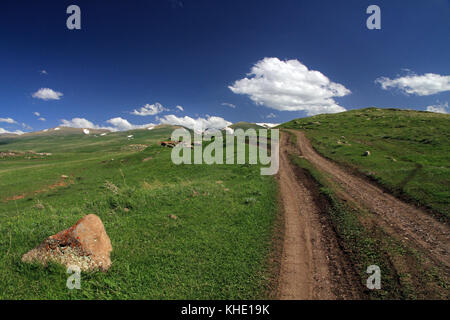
x,y
413,226
313,266
17,197
61,183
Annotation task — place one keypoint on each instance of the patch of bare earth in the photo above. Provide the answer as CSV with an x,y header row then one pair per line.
x,y
313,265
63,182
412,226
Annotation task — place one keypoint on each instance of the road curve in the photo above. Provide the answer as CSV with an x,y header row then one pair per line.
x,y
418,228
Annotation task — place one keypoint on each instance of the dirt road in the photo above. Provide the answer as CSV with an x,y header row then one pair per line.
x,y
414,226
312,265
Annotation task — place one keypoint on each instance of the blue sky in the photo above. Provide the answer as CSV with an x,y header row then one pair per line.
x,y
198,54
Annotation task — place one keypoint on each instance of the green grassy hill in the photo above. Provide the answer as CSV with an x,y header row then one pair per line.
x,y
217,248
410,150
245,125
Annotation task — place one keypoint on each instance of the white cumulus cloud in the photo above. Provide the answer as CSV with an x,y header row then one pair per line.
x,y
78,123
2,131
47,94
150,110
37,114
440,108
290,86
424,85
121,124
117,124
199,124
8,120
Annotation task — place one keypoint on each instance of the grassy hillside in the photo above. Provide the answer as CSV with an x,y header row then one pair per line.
x,y
217,248
245,125
409,150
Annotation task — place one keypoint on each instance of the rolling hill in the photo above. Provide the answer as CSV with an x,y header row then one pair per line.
x,y
245,125
409,150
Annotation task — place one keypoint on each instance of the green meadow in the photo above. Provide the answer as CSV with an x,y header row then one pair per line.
x,y
409,150
219,246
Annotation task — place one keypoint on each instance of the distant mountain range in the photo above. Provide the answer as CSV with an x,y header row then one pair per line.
x,y
62,130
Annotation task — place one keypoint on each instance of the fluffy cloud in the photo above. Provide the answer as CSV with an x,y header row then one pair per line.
x,y
2,131
121,124
290,86
226,104
424,85
47,94
78,123
8,120
179,108
271,115
117,124
37,114
440,108
199,125
150,110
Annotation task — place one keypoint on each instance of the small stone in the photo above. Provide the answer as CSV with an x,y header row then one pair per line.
x,y
366,153
64,177
39,206
173,217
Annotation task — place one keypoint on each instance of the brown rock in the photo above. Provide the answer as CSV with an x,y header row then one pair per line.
x,y
173,217
85,245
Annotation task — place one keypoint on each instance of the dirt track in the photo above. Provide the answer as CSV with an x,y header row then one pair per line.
x,y
312,265
413,226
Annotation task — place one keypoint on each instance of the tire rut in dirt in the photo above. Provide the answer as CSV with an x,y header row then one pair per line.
x,y
415,227
313,266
